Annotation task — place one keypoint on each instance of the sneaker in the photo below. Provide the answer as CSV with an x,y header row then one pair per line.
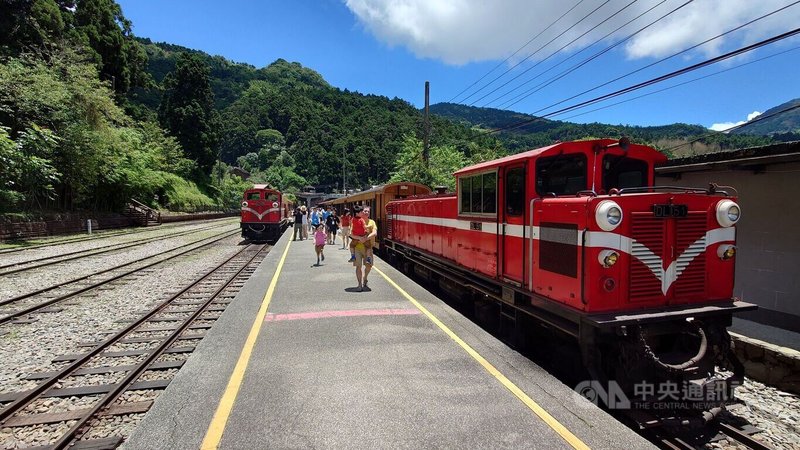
x,y
323,257
352,258
360,288
368,260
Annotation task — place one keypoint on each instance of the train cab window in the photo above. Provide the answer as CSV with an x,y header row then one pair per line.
x,y
273,197
561,174
478,194
489,193
515,191
253,195
621,172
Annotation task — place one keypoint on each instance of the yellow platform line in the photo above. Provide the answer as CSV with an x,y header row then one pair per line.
x,y
551,421
217,426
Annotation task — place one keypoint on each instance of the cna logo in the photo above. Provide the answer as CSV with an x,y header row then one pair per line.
x,y
597,394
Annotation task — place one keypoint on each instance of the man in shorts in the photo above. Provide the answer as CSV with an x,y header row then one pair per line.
x,y
361,249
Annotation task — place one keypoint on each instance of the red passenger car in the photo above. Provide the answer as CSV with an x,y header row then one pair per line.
x,y
576,236
265,214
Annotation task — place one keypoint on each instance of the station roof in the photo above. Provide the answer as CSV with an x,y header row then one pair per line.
x,y
742,159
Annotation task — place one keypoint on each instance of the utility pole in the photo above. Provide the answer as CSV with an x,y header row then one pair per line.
x,y
426,138
344,171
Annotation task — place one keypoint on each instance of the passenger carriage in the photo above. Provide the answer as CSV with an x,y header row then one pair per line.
x,y
376,199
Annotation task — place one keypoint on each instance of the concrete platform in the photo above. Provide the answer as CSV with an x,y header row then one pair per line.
x,y
335,368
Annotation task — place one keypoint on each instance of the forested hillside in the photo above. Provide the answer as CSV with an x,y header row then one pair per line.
x,y
91,116
286,107
537,132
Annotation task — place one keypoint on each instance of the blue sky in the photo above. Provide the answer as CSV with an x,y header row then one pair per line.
x,y
391,47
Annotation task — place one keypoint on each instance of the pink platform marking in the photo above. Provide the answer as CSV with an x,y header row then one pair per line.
x,y
270,317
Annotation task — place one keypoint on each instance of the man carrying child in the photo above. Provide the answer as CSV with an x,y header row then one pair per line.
x,y
362,243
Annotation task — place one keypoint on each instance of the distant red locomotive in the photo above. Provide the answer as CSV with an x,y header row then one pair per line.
x,y
575,236
265,214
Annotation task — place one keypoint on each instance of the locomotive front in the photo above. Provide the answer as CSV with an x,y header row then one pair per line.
x,y
654,279
262,216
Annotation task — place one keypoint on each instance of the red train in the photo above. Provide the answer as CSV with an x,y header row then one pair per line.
x,y
575,236
265,214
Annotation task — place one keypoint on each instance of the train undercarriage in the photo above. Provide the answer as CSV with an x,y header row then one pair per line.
x,y
263,232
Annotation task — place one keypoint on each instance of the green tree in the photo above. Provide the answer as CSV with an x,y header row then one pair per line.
x,y
30,25
187,110
107,32
443,161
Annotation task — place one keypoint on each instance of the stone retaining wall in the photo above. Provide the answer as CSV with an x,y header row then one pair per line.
x,y
62,224
196,216
770,364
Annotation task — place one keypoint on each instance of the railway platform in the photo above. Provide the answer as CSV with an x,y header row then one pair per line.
x,y
300,359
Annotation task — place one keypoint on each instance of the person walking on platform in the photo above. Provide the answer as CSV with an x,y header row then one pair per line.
x,y
319,242
345,223
305,221
298,223
332,224
361,255
315,218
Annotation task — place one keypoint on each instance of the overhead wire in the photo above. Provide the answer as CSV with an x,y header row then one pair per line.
x,y
552,54
668,57
680,84
566,72
535,52
515,52
653,80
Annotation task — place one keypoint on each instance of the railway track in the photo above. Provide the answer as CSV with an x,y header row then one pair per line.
x,y
20,306
30,264
171,328
677,437
95,237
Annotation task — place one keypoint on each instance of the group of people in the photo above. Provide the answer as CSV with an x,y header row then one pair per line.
x,y
357,229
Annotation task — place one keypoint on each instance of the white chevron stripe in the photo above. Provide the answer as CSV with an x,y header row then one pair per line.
x,y
606,240
260,216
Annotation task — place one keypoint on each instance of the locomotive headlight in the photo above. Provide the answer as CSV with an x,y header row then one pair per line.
x,y
728,213
244,204
608,258
726,252
608,215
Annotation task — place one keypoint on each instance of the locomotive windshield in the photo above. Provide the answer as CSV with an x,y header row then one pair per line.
x,y
273,197
621,172
253,196
561,174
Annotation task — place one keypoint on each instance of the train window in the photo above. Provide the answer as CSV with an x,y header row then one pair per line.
x,y
621,172
253,195
465,191
515,191
489,193
561,174
273,197
478,194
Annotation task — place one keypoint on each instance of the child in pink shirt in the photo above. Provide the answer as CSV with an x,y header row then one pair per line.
x,y
319,242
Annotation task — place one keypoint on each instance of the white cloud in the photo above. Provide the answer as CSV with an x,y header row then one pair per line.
x,y
726,125
462,31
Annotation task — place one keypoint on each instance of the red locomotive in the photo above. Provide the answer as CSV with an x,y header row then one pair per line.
x,y
576,236
265,214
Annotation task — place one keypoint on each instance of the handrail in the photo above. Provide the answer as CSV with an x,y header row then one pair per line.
x,y
149,213
711,190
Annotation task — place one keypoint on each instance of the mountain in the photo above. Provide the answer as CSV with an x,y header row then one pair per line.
x,y
780,127
519,131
